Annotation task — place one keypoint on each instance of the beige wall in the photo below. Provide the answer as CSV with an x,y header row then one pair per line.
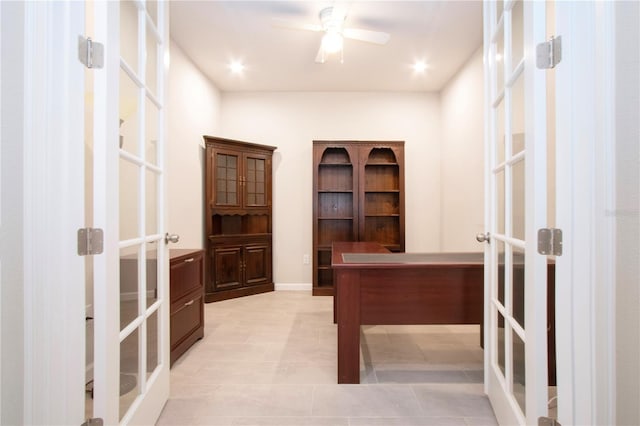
x,y
444,189
462,161
194,107
443,173
291,121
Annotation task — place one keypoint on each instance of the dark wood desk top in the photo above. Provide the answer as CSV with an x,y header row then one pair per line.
x,y
372,255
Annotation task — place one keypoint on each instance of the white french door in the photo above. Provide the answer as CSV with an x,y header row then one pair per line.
x,y
515,176
130,279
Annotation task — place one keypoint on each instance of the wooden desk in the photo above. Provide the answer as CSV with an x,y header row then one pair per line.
x,y
374,286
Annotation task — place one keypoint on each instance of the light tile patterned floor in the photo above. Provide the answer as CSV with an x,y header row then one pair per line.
x,y
270,360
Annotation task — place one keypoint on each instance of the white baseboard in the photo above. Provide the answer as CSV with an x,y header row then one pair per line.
x,y
293,287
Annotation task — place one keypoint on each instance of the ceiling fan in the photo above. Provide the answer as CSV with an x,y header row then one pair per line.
x,y
332,20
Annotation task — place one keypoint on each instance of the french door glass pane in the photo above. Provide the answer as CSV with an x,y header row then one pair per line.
x,y
500,201
152,273
518,370
129,200
517,286
152,342
517,34
128,114
151,132
500,344
129,382
499,64
151,78
129,273
500,139
152,11
517,108
151,198
129,33
517,199
500,247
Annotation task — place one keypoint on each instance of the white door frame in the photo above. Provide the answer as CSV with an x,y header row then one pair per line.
x,y
54,311
585,176
105,266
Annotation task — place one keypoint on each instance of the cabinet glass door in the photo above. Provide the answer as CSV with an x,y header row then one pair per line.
x,y
255,181
227,178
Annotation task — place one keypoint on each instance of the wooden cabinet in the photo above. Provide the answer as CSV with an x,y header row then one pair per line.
x,y
186,277
238,216
358,195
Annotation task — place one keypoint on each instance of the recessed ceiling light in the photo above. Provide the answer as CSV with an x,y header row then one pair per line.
x,y
236,67
420,66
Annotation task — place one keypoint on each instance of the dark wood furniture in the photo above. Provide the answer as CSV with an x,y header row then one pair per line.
x,y
421,289
238,215
186,276
374,286
358,195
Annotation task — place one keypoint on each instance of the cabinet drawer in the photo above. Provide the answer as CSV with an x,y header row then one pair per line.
x,y
186,318
186,275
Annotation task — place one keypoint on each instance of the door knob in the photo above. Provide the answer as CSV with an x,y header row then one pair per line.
x,y
481,238
171,238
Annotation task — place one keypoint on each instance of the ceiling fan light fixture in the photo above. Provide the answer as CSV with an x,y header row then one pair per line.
x,y
332,41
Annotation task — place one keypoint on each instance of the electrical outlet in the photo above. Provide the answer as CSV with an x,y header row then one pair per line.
x,y
305,259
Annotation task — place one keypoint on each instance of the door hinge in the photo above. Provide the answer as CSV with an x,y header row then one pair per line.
x,y
549,53
90,53
550,241
96,421
90,241
548,421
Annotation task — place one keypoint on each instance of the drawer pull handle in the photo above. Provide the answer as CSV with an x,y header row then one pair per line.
x,y
189,303
188,260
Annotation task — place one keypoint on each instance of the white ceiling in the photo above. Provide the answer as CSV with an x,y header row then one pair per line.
x,y
214,33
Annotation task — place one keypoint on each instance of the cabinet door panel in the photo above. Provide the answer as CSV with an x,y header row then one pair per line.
x,y
227,268
257,258
256,180
226,175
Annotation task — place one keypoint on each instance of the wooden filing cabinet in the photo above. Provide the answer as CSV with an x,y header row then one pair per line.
x,y
187,299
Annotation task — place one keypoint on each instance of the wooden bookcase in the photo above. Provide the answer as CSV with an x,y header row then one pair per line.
x,y
238,214
358,195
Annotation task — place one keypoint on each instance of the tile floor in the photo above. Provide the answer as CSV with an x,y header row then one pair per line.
x,y
270,359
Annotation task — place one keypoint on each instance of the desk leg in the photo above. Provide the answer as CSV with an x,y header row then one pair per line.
x,y
348,309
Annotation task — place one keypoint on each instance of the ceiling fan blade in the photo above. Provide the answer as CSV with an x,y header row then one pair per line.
x,y
320,58
292,25
366,35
